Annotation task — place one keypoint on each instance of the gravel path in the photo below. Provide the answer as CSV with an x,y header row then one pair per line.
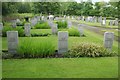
x,y
97,30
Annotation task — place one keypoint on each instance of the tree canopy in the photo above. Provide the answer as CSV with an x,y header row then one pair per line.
x,y
62,8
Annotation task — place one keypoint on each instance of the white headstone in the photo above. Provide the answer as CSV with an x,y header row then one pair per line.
x,y
81,30
108,40
14,25
27,28
12,38
62,42
69,23
54,29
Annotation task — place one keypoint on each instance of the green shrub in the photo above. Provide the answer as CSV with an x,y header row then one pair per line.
x,y
73,32
40,34
42,25
62,24
19,29
36,48
89,50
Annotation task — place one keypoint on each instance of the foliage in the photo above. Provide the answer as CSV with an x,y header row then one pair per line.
x,y
89,50
36,48
42,25
87,8
19,29
40,34
73,32
62,24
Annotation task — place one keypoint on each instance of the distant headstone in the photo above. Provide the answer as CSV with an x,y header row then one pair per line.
x,y
27,28
100,19
14,25
12,38
111,23
69,24
83,18
81,30
54,29
18,21
108,40
1,27
62,42
103,23
51,24
116,22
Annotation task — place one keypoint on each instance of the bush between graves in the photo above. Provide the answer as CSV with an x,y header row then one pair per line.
x,y
72,31
40,34
19,29
42,26
36,48
62,24
88,50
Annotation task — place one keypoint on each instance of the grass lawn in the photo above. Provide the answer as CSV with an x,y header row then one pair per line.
x,y
106,67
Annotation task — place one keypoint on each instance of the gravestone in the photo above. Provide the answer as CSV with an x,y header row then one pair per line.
x,y
83,18
111,23
27,28
18,21
103,22
51,24
62,42
108,40
1,27
12,38
54,29
69,24
116,22
100,19
81,30
14,25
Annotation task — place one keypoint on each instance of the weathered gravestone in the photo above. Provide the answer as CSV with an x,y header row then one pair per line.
x,y
100,19
1,27
54,29
69,24
81,30
103,22
62,42
27,28
108,40
12,38
14,25
111,22
51,24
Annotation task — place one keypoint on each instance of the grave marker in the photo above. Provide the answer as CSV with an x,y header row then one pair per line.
x,y
54,29
81,30
108,40
1,27
62,42
12,38
27,28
